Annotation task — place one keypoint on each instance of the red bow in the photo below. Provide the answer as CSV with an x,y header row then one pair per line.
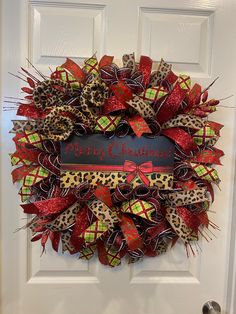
x,y
140,170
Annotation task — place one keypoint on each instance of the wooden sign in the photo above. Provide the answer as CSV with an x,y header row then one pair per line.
x,y
144,157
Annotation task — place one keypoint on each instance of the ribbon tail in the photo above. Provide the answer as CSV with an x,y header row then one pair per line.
x,y
130,233
144,178
131,176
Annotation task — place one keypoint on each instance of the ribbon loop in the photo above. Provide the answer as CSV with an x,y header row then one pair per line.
x,y
123,192
83,192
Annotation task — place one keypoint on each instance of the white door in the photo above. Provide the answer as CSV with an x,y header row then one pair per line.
x,y
198,37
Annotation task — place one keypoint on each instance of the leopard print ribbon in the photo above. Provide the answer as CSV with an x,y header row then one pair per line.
x,y
66,219
187,197
20,126
184,120
47,94
181,229
144,109
93,94
104,213
66,242
129,61
60,122
161,73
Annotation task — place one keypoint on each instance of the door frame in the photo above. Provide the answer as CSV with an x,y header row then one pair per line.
x,y
231,276
231,285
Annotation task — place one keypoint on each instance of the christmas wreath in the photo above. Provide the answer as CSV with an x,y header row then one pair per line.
x,y
114,160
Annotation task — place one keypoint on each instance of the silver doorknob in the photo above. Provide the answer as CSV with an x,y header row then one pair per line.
x,y
211,307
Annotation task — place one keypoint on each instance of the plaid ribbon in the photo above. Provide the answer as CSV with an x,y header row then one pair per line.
x,y
153,94
33,138
65,76
215,126
35,176
206,173
94,231
107,123
88,252
15,161
202,136
184,81
25,193
113,257
138,207
91,66
20,172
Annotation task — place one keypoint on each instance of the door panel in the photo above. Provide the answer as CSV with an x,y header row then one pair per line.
x,y
182,36
195,37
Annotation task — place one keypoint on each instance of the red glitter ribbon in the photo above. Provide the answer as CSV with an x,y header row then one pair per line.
x,y
74,69
172,104
182,138
49,206
140,170
208,156
81,224
105,60
171,78
26,151
190,219
30,111
145,67
121,91
102,253
55,239
103,194
113,104
215,126
194,96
